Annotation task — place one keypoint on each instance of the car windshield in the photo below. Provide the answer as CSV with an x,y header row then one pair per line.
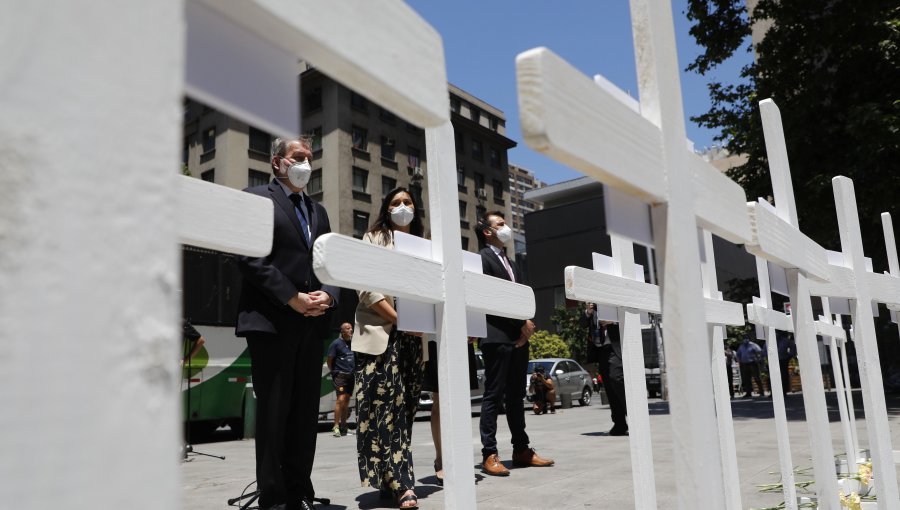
x,y
546,364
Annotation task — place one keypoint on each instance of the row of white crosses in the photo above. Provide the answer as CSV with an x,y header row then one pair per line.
x,y
569,118
257,45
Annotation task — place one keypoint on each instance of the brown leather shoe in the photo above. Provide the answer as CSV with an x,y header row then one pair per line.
x,y
529,457
493,466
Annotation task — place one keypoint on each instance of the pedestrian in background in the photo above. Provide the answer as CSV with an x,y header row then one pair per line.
x,y
341,361
749,355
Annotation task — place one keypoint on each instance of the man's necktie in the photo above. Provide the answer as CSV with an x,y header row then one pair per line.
x,y
505,261
300,207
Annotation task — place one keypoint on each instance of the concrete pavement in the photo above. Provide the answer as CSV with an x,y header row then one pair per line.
x,y
592,469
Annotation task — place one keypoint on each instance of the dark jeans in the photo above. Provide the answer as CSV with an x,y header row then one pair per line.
x,y
286,371
785,375
505,371
751,371
610,368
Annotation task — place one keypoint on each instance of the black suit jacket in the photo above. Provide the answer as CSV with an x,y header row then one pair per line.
x,y
270,282
500,329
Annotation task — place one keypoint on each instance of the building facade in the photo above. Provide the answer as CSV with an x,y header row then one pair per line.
x,y
521,181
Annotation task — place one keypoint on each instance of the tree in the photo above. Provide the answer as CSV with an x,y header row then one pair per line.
x,y
568,322
833,68
544,344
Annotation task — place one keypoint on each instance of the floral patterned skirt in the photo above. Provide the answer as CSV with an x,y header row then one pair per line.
x,y
387,394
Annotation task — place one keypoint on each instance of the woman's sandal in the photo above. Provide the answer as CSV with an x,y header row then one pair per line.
x,y
439,472
407,499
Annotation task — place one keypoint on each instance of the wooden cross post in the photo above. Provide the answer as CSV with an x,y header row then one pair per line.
x,y
761,313
853,281
833,334
730,314
441,280
569,118
777,238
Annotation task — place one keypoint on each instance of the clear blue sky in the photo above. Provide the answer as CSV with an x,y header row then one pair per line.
x,y
483,37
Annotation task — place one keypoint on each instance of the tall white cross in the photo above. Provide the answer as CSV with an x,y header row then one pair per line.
x,y
853,281
777,238
566,116
761,313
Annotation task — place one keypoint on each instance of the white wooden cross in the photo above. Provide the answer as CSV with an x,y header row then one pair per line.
x,y
853,281
829,327
566,116
777,238
761,313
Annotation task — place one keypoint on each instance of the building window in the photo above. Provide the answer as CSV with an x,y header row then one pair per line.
x,y
209,175
360,138
462,209
387,116
413,157
185,151
454,104
315,183
465,243
358,102
259,141
495,157
460,176
476,150
388,148
479,183
460,143
476,115
498,190
480,211
209,139
257,178
312,100
315,138
360,180
495,123
387,184
360,224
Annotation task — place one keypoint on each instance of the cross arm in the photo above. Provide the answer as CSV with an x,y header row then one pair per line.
x,y
827,329
223,219
606,289
776,240
338,38
567,116
767,317
718,311
884,288
346,262
840,283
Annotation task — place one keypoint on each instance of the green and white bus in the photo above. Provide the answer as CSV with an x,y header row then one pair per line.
x,y
221,391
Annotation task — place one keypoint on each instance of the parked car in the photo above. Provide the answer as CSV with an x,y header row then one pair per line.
x,y
568,377
476,395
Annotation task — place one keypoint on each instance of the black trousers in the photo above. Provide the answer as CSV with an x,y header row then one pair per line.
x,y
610,368
751,371
505,373
287,371
785,375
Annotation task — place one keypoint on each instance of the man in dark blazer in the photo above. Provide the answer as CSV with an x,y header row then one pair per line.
x,y
281,312
613,374
505,353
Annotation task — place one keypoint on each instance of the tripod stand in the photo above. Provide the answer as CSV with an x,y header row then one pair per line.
x,y
190,335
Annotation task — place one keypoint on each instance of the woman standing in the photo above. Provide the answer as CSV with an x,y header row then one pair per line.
x,y
389,369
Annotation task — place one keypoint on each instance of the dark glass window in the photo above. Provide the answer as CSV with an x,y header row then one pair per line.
x,y
360,180
388,148
360,138
259,140
312,100
315,183
358,102
476,150
257,178
360,223
209,139
209,175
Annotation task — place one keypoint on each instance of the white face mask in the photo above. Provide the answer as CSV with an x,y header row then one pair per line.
x,y
504,234
298,173
402,215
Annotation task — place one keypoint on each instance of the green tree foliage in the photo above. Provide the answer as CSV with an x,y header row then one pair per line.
x,y
833,68
568,322
544,344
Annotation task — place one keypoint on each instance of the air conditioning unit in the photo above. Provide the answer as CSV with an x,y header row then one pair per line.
x,y
418,173
480,193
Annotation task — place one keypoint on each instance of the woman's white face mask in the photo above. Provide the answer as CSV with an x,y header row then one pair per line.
x,y
402,215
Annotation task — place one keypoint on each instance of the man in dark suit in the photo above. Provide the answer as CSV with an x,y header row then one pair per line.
x,y
281,312
505,352
613,374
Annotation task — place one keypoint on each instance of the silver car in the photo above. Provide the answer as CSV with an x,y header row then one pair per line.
x,y
568,378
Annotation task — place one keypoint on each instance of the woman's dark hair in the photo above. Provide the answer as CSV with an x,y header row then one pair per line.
x,y
382,223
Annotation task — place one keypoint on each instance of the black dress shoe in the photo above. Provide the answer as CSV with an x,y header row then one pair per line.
x,y
306,504
618,431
